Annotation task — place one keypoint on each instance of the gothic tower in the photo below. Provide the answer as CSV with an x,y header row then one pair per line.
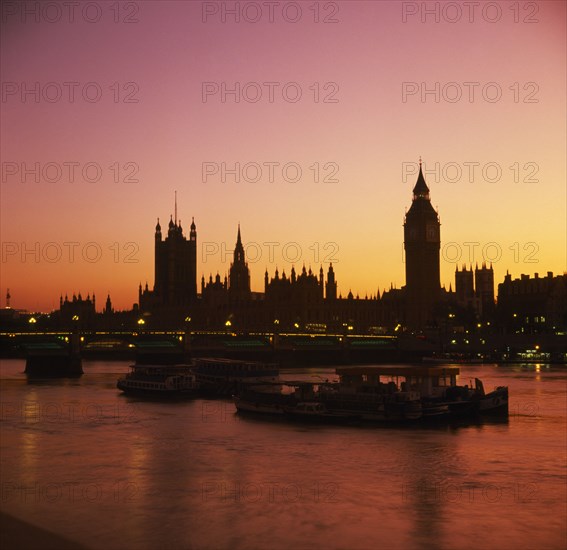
x,y
464,287
484,287
331,285
192,248
175,282
422,243
239,274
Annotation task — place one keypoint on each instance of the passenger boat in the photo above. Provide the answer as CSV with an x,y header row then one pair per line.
x,y
264,398
377,394
436,386
329,402
226,377
363,395
159,380
317,411
294,400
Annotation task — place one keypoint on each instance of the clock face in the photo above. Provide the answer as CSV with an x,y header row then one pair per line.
x,y
432,233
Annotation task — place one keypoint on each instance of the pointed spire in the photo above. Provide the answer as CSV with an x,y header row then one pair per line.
x,y
175,207
420,191
239,249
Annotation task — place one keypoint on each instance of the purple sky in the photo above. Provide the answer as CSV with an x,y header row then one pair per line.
x,y
369,139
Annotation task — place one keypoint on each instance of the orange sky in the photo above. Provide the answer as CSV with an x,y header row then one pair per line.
x,y
85,177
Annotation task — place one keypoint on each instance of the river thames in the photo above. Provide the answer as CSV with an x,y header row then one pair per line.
x,y
109,471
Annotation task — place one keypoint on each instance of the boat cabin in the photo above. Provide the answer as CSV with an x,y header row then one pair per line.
x,y
431,381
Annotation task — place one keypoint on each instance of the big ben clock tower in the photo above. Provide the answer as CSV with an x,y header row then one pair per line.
x,y
422,243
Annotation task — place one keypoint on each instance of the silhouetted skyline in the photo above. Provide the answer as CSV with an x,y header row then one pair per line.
x,y
161,125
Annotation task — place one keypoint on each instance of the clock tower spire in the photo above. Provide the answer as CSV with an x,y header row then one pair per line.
x,y
422,243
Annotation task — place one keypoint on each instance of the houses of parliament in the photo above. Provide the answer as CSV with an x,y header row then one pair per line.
x,y
308,300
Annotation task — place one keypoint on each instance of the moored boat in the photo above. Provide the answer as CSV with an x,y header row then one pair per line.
x,y
494,402
317,411
369,399
159,381
226,377
264,398
436,386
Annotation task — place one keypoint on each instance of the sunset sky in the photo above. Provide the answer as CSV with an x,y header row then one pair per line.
x,y
161,126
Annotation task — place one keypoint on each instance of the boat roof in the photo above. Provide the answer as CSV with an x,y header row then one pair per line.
x,y
230,362
402,370
156,367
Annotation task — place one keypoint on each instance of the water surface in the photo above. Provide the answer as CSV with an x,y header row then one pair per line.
x,y
115,472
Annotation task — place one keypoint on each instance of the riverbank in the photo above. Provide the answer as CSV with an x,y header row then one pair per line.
x,y
16,534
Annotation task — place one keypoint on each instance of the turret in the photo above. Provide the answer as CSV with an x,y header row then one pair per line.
x,y
331,286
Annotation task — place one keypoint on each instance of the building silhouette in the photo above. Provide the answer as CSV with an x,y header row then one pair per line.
x,y
464,288
476,295
532,305
77,311
422,244
307,299
484,290
239,275
175,269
